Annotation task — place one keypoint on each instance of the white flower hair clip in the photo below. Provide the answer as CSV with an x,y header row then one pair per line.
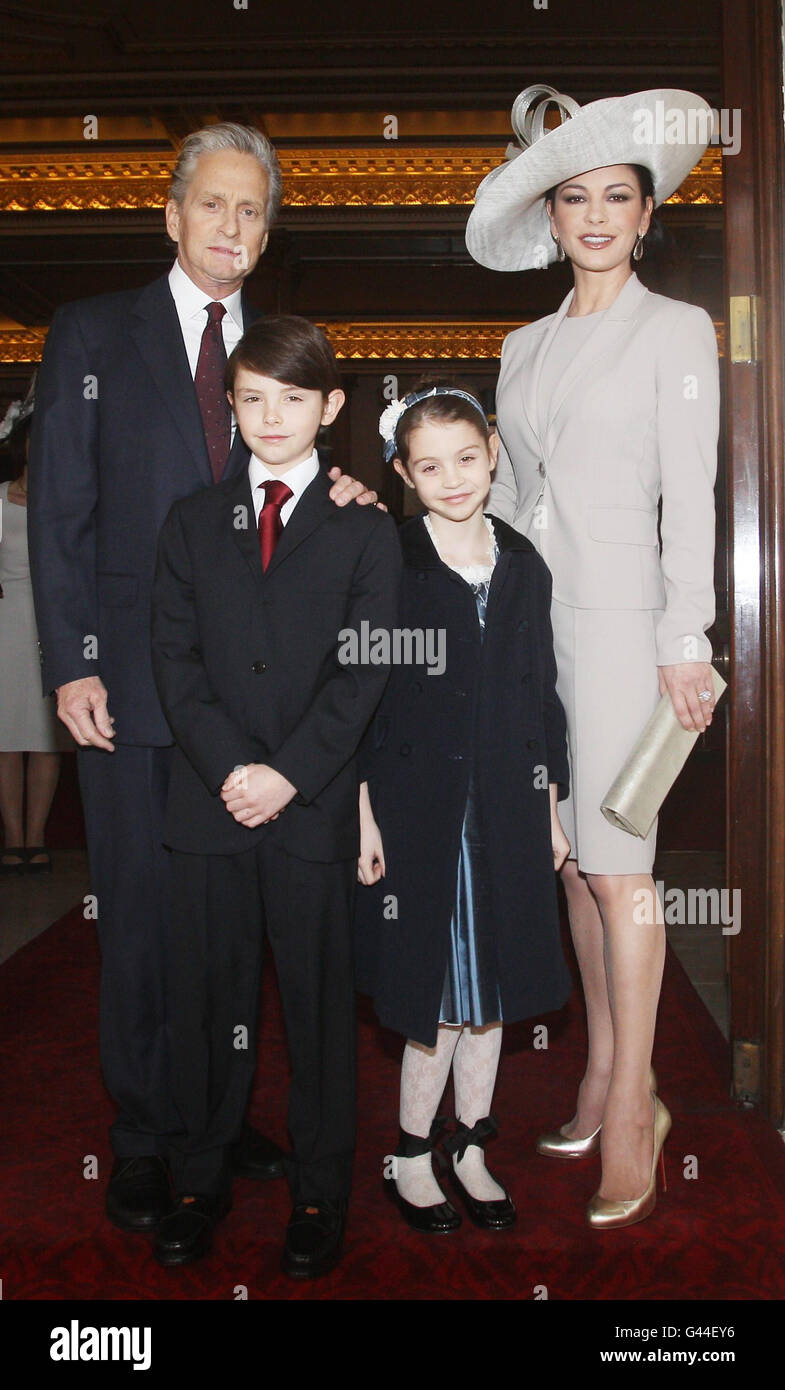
x,y
388,422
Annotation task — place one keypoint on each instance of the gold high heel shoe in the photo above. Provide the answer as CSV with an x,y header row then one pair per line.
x,y
604,1214
558,1145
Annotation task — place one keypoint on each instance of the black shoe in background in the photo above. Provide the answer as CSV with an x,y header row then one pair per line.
x,y
138,1196
314,1238
256,1156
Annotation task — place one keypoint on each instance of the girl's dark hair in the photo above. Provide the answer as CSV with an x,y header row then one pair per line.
x,y
288,349
655,234
442,409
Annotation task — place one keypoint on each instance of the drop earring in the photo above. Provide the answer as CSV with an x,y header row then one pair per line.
x,y
637,254
560,252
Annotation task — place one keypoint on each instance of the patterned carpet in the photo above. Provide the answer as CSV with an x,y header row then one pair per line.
x,y
719,1235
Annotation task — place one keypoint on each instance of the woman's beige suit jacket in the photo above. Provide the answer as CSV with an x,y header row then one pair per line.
x,y
634,417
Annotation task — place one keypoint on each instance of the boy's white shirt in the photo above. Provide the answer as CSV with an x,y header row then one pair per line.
x,y
297,478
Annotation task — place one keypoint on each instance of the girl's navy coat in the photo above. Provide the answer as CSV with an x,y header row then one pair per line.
x,y
495,707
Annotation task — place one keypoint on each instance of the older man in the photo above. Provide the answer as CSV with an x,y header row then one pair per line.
x,y
131,415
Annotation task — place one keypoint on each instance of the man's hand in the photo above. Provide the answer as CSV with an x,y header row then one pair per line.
x,y
346,489
82,707
256,794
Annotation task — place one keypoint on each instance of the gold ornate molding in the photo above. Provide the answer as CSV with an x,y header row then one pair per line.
x,y
393,176
20,345
404,340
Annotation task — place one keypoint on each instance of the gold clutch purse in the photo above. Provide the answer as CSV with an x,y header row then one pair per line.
x,y
634,799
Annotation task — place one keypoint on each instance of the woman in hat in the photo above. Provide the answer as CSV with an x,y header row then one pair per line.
x,y
604,408
28,720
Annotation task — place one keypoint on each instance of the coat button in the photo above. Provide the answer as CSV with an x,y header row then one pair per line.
x,y
421,575
541,468
405,749
526,677
416,687
531,743
258,667
522,626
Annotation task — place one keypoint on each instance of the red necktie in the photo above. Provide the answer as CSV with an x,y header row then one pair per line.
x,y
270,524
209,381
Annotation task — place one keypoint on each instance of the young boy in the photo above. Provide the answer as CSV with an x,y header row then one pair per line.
x,y
256,577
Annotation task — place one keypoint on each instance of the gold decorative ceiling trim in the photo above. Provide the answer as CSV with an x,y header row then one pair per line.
x,y
377,341
395,176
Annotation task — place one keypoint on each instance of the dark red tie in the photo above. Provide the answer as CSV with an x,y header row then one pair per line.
x,y
209,381
270,524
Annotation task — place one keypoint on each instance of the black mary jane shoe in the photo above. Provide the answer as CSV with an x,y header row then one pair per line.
x,y
19,852
186,1234
44,866
314,1238
441,1216
256,1156
497,1215
138,1195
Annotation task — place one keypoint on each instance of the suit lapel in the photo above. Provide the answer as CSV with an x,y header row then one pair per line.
x,y
312,509
158,337
530,377
601,340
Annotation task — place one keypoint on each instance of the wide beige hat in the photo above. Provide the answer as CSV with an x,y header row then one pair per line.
x,y
666,130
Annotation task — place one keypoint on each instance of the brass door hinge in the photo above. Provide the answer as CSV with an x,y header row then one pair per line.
x,y
744,328
746,1072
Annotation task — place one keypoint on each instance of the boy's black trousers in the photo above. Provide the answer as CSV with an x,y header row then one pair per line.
x,y
222,908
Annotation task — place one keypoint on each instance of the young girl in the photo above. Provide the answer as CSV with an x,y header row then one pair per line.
x,y
457,924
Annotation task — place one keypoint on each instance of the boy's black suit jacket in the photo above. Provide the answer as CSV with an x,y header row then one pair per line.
x,y
246,666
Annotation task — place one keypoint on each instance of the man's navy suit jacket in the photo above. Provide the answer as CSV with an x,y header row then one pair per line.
x,y
117,438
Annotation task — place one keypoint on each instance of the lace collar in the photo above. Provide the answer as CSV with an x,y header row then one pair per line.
x,y
473,574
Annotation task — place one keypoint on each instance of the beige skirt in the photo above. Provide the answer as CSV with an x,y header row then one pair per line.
x,y
607,682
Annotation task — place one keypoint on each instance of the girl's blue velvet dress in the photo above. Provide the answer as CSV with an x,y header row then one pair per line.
x,y
471,984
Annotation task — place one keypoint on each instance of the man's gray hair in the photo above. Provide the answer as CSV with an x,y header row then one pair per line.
x,y
228,136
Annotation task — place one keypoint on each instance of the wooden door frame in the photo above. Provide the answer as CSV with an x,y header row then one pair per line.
x,y
754,198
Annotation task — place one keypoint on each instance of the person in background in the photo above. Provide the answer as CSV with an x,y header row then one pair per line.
x,y
28,720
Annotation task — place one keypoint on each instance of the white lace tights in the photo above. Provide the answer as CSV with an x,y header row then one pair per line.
x,y
474,1056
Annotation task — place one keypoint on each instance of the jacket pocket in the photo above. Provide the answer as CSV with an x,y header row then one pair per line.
x,y
623,525
117,590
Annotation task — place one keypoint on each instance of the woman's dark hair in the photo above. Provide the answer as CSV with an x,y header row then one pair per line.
x,y
288,349
446,410
16,450
654,236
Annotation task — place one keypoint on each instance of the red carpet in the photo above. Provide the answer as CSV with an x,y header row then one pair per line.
x,y
718,1236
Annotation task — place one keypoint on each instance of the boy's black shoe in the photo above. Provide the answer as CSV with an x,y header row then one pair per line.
x,y
314,1238
138,1196
256,1156
186,1234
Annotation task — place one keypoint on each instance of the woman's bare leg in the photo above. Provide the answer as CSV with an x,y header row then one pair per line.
x,y
588,937
634,958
